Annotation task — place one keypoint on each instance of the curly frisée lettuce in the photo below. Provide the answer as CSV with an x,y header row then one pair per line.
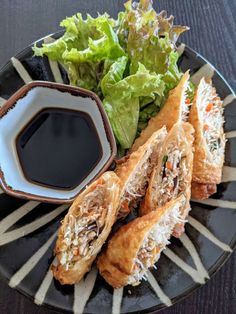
x,y
130,62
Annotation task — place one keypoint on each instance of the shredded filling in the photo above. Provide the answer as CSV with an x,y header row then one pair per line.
x,y
186,103
171,179
211,113
153,244
82,230
137,184
136,187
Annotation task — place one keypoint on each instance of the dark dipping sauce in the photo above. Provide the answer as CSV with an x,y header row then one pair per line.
x,y
58,148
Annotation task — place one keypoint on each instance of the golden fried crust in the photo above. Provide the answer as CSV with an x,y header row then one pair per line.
x,y
202,191
205,169
147,204
116,263
169,114
181,134
111,184
127,168
71,276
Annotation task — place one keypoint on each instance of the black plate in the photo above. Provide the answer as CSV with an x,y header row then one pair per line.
x,y
27,229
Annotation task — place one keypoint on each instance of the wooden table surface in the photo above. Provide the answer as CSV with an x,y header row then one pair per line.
x,y
213,34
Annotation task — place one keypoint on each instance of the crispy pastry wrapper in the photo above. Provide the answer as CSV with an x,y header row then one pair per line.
x,y
201,191
109,185
207,164
135,170
117,262
181,137
171,112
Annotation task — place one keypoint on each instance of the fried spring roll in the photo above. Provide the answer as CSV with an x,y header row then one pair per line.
x,y
176,109
135,172
173,172
85,228
206,116
135,247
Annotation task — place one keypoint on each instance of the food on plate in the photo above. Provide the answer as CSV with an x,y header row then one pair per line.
x,y
202,190
85,228
130,62
173,173
135,247
135,172
122,99
206,116
175,109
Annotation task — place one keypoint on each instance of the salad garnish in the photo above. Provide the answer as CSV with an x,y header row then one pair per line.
x,y
130,62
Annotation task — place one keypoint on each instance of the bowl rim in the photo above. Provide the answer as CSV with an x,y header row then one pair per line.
x,y
73,90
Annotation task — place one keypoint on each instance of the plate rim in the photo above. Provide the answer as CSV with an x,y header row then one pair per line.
x,y
219,263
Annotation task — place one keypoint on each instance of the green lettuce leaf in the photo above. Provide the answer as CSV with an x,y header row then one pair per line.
x,y
85,75
123,115
114,75
147,113
122,100
77,32
191,91
106,47
83,49
173,75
